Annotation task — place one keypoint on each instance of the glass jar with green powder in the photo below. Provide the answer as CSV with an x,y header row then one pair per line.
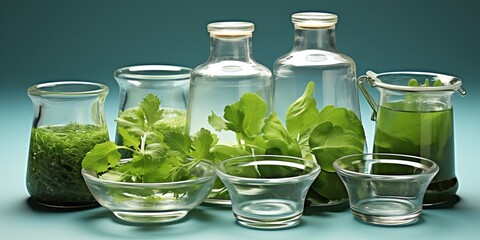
x,y
68,120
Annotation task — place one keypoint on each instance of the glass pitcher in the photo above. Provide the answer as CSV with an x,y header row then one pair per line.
x,y
68,121
315,57
414,116
223,79
169,83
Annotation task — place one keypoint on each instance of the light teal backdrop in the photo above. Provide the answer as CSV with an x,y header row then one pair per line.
x,y
87,40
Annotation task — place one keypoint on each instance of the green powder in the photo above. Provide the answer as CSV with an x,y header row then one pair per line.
x,y
54,164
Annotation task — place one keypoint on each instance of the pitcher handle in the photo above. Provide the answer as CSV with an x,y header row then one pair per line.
x,y
361,84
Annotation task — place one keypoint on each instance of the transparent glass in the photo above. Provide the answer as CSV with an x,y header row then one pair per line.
x,y
267,191
229,73
152,202
169,83
314,57
386,189
417,120
68,120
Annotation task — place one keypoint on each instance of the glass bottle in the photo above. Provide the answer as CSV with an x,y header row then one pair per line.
x,y
314,57
169,83
229,72
417,120
68,121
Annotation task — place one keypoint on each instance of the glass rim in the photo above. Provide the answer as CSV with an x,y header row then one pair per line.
x,y
433,169
220,170
453,83
38,89
138,72
314,19
88,175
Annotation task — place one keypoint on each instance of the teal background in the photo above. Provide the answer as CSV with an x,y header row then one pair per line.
x,y
87,40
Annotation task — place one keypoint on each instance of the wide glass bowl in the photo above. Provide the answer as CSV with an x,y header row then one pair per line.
x,y
267,191
386,189
152,202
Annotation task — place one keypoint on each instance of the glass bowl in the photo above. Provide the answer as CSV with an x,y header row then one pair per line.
x,y
152,202
267,192
386,189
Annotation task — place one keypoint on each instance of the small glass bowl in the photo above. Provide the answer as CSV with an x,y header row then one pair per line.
x,y
152,202
267,192
386,189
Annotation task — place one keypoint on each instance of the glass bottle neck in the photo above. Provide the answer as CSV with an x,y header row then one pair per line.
x,y
318,38
231,48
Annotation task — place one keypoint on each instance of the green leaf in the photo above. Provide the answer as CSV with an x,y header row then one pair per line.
x,y
254,109
329,186
437,83
329,143
222,152
150,106
255,146
413,82
343,118
277,138
202,142
101,157
303,113
178,141
217,122
128,140
234,116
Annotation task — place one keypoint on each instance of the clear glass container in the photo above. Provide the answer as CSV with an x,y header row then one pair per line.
x,y
169,83
386,189
153,202
268,191
229,73
68,121
314,57
417,120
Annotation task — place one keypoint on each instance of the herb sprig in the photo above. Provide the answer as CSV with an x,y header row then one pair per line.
x,y
159,153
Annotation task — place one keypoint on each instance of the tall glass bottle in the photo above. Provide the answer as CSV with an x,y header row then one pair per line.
x,y
314,57
229,72
68,121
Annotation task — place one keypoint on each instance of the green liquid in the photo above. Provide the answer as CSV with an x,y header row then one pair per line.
x,y
55,162
425,134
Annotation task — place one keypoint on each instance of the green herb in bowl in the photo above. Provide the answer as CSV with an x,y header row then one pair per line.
x,y
166,176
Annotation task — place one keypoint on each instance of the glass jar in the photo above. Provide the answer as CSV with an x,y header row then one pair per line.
x,y
169,83
68,121
314,57
229,73
417,120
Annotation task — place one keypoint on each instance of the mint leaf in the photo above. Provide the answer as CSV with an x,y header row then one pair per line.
x,y
101,157
303,113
